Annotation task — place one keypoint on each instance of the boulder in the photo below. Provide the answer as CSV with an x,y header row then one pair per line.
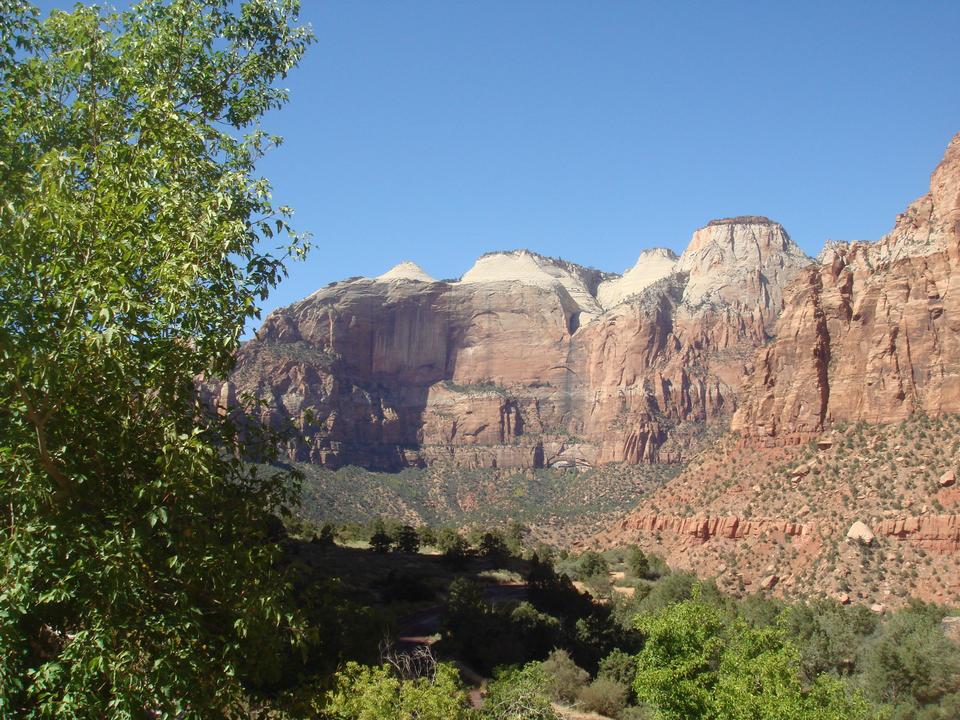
x,y
769,582
948,478
859,531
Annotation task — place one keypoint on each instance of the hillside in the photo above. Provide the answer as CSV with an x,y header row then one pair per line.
x,y
777,518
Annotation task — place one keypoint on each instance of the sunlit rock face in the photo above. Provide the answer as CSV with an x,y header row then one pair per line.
x,y
872,331
526,361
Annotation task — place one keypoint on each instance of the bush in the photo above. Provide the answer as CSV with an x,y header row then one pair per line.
x,y
592,564
374,693
637,562
493,546
910,662
518,694
564,678
456,551
603,696
619,667
380,542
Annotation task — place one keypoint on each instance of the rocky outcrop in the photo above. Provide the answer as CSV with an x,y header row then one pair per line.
x,y
704,528
938,533
520,363
873,331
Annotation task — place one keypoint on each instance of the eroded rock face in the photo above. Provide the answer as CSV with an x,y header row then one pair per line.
x,y
871,333
519,364
703,528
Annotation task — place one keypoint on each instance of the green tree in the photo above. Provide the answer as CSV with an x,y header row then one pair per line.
x,y
676,669
694,665
375,693
637,562
564,677
380,540
406,540
592,564
137,545
492,545
910,663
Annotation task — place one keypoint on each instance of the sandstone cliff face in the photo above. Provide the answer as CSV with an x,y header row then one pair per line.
x,y
873,332
520,363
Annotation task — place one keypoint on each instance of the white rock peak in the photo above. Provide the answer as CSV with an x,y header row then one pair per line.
x,y
406,270
652,265
528,268
728,255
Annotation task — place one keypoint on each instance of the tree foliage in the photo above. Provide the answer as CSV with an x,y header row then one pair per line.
x,y
376,693
696,665
137,543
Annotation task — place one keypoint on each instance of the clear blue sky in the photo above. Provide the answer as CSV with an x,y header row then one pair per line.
x,y
436,131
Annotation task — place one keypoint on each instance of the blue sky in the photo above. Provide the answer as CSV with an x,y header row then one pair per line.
x,y
436,131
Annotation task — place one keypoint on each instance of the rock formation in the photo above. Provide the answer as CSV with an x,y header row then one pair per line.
x,y
526,361
870,333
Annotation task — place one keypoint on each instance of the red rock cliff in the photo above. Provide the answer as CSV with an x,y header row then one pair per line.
x,y
873,331
518,363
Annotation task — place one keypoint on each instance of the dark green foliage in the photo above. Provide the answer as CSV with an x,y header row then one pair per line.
x,y
637,563
618,666
487,635
380,540
455,549
828,635
427,535
592,564
406,540
909,663
327,534
493,546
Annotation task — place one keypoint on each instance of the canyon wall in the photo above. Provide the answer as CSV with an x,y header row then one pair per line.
x,y
526,361
872,332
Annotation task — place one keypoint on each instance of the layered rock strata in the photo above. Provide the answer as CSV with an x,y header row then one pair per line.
x,y
526,361
872,332
704,528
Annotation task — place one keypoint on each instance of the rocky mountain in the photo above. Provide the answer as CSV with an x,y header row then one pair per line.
x,y
839,474
525,361
872,332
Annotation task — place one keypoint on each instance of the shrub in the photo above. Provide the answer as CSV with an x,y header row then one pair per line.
x,y
518,694
374,693
492,546
637,562
592,564
618,666
564,678
603,696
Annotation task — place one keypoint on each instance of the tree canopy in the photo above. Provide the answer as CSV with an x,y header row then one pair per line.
x,y
137,544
